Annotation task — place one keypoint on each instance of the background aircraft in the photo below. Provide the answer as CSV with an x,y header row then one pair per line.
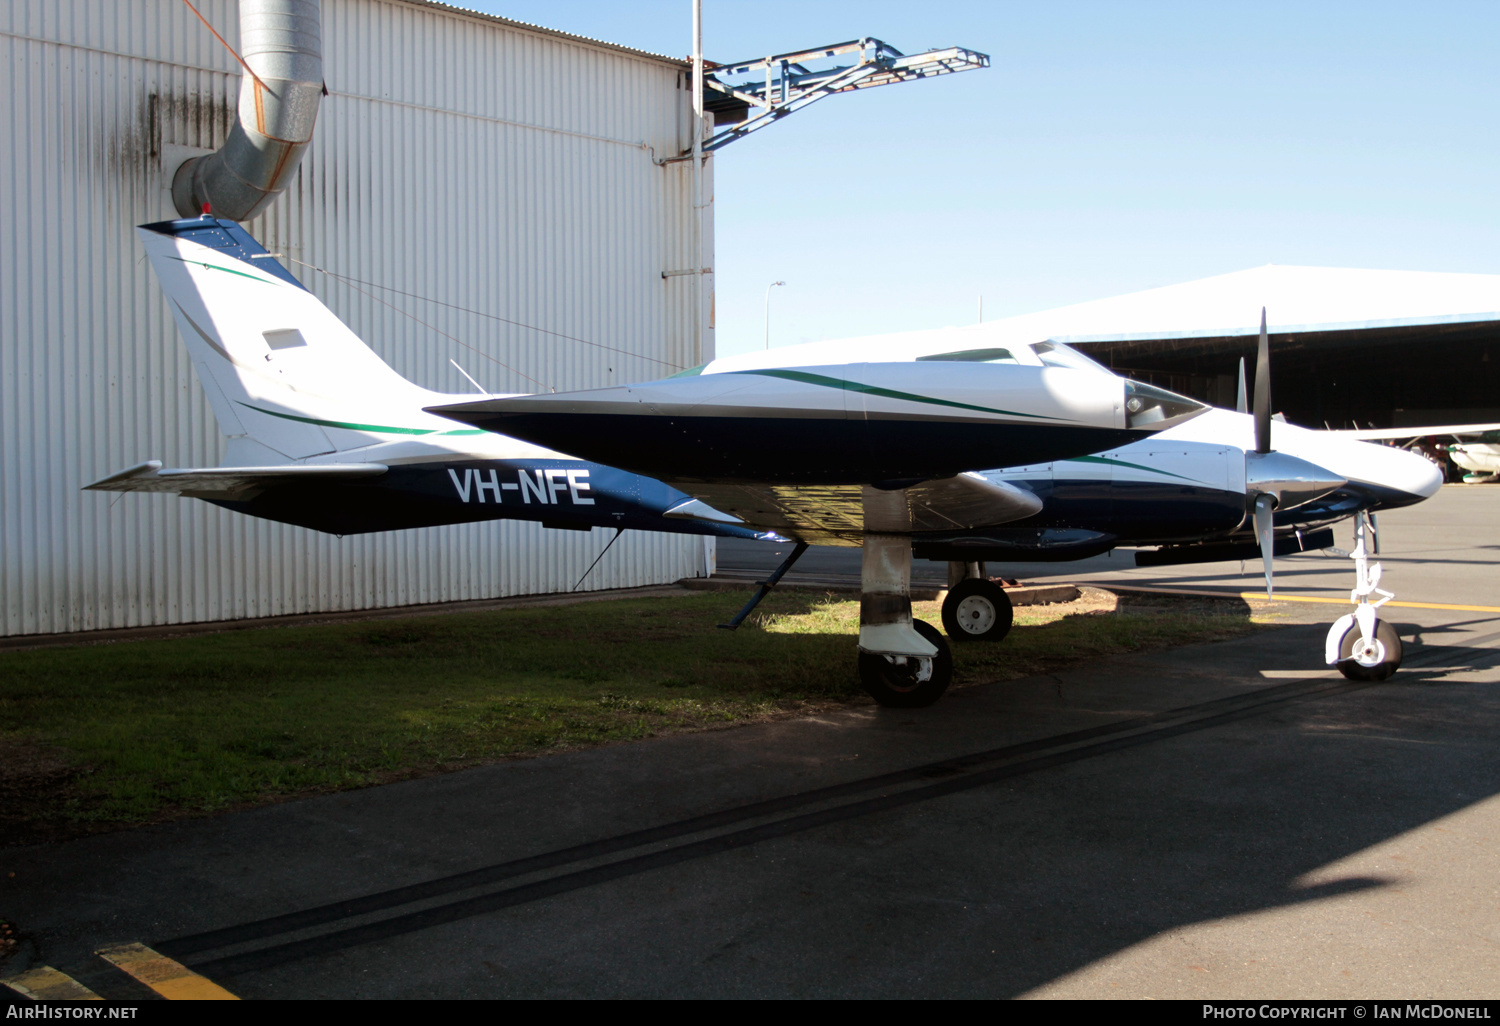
x,y
1481,457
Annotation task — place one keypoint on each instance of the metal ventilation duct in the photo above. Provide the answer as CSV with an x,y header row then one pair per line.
x,y
281,43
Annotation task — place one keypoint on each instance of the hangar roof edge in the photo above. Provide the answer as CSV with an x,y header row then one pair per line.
x,y
1296,298
1319,301
1282,329
676,62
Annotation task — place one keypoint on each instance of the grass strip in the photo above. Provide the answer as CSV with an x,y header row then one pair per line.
x,y
101,736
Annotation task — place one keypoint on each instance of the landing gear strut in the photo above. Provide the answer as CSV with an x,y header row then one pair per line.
x,y
1360,644
902,663
976,609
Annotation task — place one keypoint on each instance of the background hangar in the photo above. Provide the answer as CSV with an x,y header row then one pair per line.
x,y
483,163
502,170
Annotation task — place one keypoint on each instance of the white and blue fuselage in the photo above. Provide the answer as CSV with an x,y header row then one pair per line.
x,y
322,433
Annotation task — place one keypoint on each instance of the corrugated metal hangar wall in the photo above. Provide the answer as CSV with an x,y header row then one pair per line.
x,y
495,167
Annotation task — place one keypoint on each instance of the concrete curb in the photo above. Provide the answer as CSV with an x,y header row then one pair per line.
x,y
1025,595
110,635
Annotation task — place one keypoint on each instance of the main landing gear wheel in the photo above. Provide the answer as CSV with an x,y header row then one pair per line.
x,y
1370,658
977,610
908,682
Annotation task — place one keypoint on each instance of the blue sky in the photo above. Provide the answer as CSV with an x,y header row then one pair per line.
x,y
1112,146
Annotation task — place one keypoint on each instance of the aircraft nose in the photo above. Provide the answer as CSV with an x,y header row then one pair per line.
x,y
1405,473
1426,476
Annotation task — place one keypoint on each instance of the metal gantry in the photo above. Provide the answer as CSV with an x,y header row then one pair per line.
x,y
753,94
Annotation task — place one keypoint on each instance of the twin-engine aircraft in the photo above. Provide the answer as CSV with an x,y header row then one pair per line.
x,y
891,455
889,446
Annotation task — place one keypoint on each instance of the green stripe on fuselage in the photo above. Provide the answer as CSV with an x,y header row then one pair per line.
x,y
887,393
1121,463
377,428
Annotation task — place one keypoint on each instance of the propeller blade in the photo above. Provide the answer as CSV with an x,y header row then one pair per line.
x,y
1263,390
1264,534
1241,399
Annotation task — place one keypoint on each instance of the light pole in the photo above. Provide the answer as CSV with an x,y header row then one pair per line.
x,y
768,310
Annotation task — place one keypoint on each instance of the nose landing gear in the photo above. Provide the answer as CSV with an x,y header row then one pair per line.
x,y
1360,644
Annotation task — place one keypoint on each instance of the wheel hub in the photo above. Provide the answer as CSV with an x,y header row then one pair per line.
x,y
913,671
1369,652
976,614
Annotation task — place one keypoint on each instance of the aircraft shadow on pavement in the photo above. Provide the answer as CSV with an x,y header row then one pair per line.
x,y
1022,881
982,878
1230,821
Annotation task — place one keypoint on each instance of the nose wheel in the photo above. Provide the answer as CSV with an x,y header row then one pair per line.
x,y
977,609
1360,644
1373,657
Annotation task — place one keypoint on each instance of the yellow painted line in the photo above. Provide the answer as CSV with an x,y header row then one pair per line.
x,y
1260,596
45,983
172,980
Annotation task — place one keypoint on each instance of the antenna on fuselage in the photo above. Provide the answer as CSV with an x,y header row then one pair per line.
x,y
477,385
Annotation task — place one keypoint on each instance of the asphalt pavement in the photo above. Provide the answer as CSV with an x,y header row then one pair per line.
x,y
1226,820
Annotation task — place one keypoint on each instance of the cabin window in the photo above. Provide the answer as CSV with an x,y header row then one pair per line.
x,y
975,356
1055,354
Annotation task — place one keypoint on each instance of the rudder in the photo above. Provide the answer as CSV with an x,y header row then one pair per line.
x,y
284,376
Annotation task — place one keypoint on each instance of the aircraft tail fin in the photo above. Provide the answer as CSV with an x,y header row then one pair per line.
x,y
286,378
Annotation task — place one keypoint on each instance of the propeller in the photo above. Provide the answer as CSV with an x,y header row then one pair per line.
x,y
1241,402
1263,390
1265,502
1265,533
1275,480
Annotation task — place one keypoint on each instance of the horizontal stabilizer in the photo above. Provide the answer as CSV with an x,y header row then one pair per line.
x,y
229,482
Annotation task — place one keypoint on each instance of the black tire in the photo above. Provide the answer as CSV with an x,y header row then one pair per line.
x,y
977,610
1388,645
900,686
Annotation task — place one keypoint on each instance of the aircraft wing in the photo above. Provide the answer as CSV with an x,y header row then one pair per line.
x,y
228,482
838,514
1376,434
